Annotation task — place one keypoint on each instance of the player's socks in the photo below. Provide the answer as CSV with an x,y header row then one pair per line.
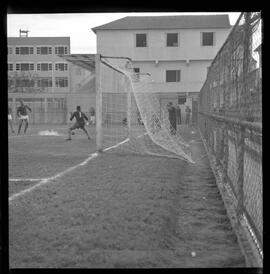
x,y
25,128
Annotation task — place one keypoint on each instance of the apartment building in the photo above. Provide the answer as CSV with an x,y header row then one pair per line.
x,y
34,64
175,50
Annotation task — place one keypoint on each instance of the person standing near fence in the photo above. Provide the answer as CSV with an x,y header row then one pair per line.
x,y
10,120
172,117
22,113
188,113
178,115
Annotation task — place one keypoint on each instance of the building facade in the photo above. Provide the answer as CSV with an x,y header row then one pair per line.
x,y
175,50
34,64
49,84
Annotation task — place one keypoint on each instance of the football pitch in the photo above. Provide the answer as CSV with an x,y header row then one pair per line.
x,y
70,207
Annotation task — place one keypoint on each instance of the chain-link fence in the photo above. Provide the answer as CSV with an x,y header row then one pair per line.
x,y
230,119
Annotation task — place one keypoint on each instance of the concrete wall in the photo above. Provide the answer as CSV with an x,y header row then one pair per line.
x,y
78,77
44,112
122,43
86,101
193,74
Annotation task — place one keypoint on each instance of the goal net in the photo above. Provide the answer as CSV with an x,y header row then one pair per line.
x,y
131,116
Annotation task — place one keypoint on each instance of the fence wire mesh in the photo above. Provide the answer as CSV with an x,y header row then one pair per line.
x,y
230,117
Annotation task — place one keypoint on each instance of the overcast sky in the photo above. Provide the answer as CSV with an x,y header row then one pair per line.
x,y
77,26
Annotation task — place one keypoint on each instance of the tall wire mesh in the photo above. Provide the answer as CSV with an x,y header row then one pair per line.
x,y
230,118
132,114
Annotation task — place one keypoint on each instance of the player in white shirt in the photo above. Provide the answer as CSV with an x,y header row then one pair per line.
x,y
10,120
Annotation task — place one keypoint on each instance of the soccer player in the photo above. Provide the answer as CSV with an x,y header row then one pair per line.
x,y
22,113
80,122
10,122
172,117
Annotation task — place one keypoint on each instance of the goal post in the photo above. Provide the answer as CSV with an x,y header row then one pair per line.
x,y
129,114
99,142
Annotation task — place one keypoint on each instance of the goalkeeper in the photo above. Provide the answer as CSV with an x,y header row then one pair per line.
x,y
80,122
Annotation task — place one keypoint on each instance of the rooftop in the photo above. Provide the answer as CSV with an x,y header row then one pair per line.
x,y
167,22
37,40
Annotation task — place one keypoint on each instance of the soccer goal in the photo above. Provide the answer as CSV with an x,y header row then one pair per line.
x,y
130,118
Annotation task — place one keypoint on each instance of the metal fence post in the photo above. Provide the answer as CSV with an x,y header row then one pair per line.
x,y
240,143
240,138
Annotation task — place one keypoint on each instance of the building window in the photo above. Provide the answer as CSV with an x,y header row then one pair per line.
x,y
10,67
61,66
44,66
24,50
44,82
172,39
44,50
182,99
141,40
25,66
137,73
61,82
172,75
61,50
25,82
208,38
10,50
10,83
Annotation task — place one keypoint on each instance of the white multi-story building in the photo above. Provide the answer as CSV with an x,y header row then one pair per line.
x,y
33,64
51,85
175,50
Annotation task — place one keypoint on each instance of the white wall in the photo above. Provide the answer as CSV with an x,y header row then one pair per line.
x,y
122,43
194,71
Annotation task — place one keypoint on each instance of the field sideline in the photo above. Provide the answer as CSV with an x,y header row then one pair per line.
x,y
115,210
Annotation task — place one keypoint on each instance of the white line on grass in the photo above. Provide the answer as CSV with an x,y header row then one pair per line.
x,y
21,136
25,179
35,135
108,148
49,179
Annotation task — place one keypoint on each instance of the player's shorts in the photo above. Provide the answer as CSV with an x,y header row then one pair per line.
x,y
24,117
9,117
77,125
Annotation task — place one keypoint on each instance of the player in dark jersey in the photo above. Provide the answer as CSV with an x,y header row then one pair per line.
x,y
22,113
80,122
172,117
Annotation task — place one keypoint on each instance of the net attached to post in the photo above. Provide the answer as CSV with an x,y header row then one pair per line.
x,y
133,119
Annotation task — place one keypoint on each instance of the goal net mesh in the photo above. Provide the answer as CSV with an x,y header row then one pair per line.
x,y
133,119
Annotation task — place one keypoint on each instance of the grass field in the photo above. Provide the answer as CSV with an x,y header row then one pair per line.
x,y
114,210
